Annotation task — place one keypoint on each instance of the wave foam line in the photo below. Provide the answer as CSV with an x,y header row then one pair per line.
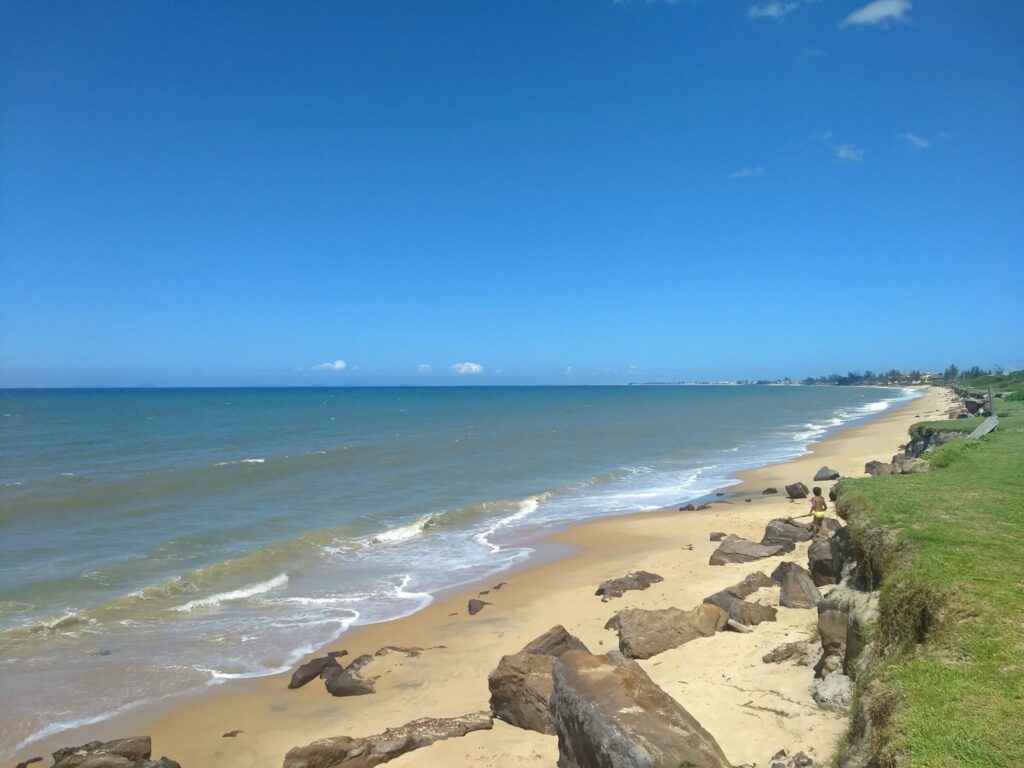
x,y
237,594
526,507
240,461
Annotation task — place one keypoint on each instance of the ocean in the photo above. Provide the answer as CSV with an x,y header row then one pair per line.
x,y
157,541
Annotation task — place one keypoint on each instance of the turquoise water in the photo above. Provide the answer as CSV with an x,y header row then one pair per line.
x,y
156,541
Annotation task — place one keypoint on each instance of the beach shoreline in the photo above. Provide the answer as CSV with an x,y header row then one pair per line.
x,y
555,586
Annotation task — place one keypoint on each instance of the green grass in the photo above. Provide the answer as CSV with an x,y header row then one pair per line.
x,y
951,626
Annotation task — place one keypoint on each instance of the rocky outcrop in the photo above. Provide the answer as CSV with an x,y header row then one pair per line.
x,y
618,586
902,465
521,683
787,532
797,491
346,682
368,751
609,714
645,633
820,563
826,473
733,549
844,618
731,600
797,586
132,752
769,491
741,590
311,670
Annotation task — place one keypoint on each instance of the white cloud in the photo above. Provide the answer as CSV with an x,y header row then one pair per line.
x,y
746,173
878,12
917,142
424,368
467,368
849,153
568,370
774,10
337,365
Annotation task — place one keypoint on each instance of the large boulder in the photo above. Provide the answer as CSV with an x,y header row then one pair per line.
x,y
820,563
785,531
742,589
644,633
368,751
635,580
797,586
521,683
733,549
797,491
104,754
609,714
876,468
826,473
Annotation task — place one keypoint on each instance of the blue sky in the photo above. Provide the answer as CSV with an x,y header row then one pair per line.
x,y
543,192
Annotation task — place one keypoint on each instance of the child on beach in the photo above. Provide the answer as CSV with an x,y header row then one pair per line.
x,y
818,507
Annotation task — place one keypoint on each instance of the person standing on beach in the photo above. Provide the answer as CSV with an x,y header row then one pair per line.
x,y
818,507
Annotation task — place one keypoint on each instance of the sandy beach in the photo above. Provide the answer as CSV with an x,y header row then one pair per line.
x,y
753,709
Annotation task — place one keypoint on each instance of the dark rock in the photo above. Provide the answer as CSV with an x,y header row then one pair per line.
x,y
733,549
645,633
769,491
475,606
780,755
366,752
748,500
499,585
688,508
832,493
337,654
342,682
785,531
104,754
877,468
795,651
819,561
797,491
521,683
635,580
231,734
163,762
743,589
411,652
717,535
826,473
358,663
800,760
609,714
798,589
703,506
750,614
27,763
311,670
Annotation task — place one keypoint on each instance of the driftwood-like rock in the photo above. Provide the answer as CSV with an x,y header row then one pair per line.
x,y
797,586
733,549
105,754
635,580
795,651
521,683
368,751
645,633
609,714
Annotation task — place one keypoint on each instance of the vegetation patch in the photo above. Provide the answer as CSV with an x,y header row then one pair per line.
x,y
946,687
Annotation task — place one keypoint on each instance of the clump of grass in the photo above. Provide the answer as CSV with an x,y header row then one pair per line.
x,y
950,453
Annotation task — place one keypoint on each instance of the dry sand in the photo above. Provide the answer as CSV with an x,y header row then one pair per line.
x,y
752,708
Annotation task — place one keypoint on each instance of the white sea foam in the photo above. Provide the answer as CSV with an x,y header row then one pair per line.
x,y
526,507
240,461
402,532
237,594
